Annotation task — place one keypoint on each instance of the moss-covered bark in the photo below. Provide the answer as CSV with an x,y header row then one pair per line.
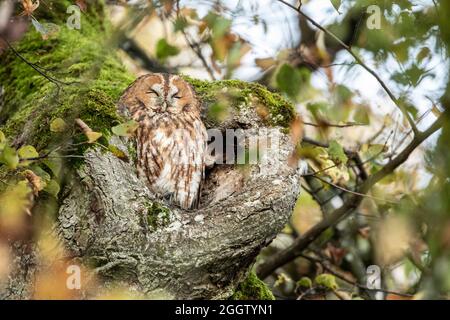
x,y
83,58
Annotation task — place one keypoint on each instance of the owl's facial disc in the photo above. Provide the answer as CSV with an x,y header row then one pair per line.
x,y
156,96
166,95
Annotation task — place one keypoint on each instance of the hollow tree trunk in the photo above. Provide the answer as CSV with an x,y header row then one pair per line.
x,y
106,217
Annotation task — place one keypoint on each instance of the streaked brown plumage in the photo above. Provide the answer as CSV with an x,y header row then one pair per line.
x,y
171,138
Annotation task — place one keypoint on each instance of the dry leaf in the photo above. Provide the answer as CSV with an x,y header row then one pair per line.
x,y
29,6
364,232
82,5
265,63
89,133
35,181
297,130
336,254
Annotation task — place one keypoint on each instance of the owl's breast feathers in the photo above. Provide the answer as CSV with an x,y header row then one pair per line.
x,y
173,161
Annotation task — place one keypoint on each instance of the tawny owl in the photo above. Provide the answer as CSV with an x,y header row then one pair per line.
x,y
171,138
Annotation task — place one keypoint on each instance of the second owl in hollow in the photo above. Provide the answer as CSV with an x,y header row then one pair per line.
x,y
171,137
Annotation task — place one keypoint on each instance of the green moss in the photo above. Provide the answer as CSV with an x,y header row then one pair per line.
x,y
281,112
252,288
81,58
304,282
326,280
157,216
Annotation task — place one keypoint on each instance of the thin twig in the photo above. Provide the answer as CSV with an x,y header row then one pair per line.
x,y
353,192
35,67
344,125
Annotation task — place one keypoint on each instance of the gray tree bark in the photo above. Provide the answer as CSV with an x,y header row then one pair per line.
x,y
202,253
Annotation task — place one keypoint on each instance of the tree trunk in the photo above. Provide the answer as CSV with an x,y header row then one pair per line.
x,y
107,218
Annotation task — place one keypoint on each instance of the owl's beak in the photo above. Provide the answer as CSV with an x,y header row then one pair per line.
x,y
164,106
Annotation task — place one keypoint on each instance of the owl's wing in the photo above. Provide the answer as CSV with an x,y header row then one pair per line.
x,y
192,172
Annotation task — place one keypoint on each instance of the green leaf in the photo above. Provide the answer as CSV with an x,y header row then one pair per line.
x,y
58,125
125,129
52,188
218,24
44,175
374,150
289,80
361,115
344,94
336,4
317,108
412,76
27,152
55,165
180,24
165,50
336,152
9,157
412,110
327,280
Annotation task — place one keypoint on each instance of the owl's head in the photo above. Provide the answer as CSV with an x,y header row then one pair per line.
x,y
160,93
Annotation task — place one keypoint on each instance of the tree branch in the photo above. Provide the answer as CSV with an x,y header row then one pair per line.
x,y
349,205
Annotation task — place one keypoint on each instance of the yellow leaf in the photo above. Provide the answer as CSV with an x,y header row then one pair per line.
x,y
58,125
27,152
93,136
15,203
